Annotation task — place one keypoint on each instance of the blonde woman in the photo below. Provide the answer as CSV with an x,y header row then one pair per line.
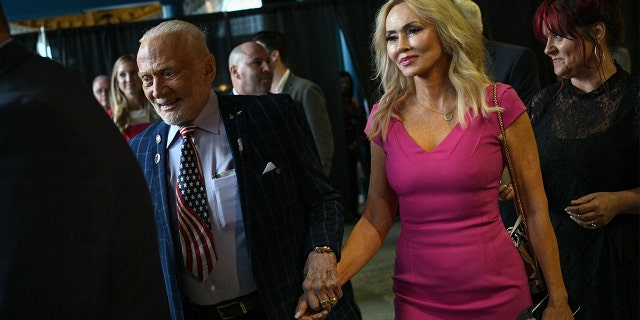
x,y
132,112
436,157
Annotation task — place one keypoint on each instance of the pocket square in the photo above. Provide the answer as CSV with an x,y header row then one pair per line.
x,y
270,166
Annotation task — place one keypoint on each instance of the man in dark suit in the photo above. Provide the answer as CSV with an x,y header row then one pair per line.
x,y
77,238
515,66
303,91
275,220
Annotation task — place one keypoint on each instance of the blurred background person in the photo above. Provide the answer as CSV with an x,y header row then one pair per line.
x,y
506,63
304,92
586,127
354,121
101,90
77,231
132,112
250,70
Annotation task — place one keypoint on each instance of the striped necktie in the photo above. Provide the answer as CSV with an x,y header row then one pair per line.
x,y
196,239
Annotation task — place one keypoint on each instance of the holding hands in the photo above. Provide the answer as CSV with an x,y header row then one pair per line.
x,y
321,286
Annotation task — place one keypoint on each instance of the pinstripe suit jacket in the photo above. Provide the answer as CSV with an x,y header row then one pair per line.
x,y
286,211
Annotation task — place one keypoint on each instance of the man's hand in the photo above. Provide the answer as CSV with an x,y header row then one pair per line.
x,y
321,286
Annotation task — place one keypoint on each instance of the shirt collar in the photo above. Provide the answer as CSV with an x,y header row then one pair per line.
x,y
283,80
208,120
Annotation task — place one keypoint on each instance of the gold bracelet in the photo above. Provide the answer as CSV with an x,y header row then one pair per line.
x,y
325,249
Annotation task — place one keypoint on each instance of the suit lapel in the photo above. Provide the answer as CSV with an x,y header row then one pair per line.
x,y
235,117
287,84
158,183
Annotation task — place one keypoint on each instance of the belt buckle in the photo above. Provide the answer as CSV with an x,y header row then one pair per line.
x,y
224,316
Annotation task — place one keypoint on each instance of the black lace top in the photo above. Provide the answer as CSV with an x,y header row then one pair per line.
x,y
589,142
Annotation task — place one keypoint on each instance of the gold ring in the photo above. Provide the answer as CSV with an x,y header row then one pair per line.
x,y
333,301
324,303
593,225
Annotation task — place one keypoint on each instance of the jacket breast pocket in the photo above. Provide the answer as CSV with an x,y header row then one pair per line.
x,y
226,199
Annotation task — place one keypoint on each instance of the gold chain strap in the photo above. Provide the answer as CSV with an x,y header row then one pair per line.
x,y
518,199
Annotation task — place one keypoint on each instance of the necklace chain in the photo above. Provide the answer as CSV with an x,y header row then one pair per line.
x,y
447,116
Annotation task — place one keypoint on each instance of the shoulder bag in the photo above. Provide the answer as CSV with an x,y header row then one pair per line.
x,y
520,236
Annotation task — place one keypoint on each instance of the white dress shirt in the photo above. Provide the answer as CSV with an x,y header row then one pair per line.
x,y
231,276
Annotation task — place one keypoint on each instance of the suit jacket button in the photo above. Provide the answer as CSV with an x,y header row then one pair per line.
x,y
158,139
157,158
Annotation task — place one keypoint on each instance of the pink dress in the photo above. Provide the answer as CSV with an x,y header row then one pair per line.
x,y
454,258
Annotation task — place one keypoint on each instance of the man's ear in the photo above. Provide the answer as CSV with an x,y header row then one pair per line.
x,y
275,55
233,71
210,67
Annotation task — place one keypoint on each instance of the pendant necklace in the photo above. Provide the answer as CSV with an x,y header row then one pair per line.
x,y
448,116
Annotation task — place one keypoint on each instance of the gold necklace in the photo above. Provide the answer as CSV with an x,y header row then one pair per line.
x,y
448,116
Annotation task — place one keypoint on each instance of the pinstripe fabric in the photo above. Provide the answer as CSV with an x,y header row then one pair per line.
x,y
287,211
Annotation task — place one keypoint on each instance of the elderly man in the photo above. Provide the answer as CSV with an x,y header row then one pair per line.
x,y
101,88
245,216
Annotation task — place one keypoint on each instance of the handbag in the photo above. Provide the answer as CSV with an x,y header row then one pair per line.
x,y
520,237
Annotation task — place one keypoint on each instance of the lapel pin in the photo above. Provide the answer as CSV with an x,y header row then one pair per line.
x,y
240,145
232,116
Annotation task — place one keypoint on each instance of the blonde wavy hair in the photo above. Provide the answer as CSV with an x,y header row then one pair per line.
x,y
461,42
119,102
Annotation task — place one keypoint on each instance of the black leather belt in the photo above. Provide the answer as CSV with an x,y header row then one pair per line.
x,y
231,309
238,307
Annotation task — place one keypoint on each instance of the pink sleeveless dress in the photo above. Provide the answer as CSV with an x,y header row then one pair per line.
x,y
454,258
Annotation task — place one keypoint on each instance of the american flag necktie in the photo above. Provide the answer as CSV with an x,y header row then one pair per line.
x,y
196,238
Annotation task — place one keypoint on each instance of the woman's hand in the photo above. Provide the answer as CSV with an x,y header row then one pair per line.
x,y
594,210
303,312
506,192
